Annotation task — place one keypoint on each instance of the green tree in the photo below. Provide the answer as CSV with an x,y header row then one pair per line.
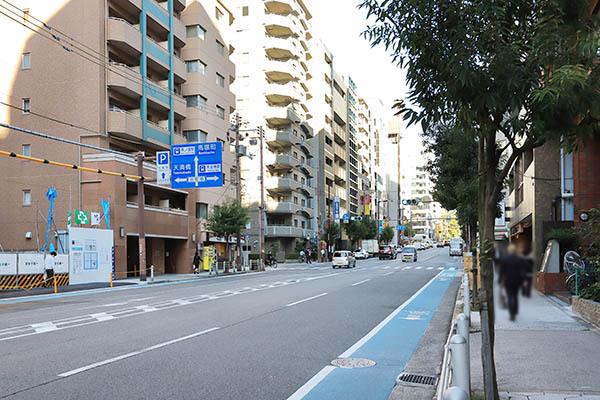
x,y
356,230
331,232
517,73
371,227
226,220
387,234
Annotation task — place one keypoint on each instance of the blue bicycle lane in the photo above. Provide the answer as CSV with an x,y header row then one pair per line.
x,y
390,345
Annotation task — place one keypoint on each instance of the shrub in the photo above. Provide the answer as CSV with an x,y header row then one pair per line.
x,y
565,236
592,292
253,256
292,256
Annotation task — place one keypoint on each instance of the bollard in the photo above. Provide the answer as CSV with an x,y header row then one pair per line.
x,y
152,273
54,279
460,365
462,329
467,299
111,279
455,393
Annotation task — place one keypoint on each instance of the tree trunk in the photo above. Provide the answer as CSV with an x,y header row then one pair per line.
x,y
487,215
228,253
473,250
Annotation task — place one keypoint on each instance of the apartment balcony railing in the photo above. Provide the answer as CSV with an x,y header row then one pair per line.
x,y
282,207
124,36
282,49
282,25
281,116
124,80
282,137
288,231
282,71
282,95
124,123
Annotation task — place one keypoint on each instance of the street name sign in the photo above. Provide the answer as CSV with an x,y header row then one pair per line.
x,y
196,165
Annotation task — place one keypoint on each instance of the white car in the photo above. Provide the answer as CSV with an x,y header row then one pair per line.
x,y
418,246
409,253
361,254
343,258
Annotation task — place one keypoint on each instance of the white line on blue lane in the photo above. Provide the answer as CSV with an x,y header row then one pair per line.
x,y
390,344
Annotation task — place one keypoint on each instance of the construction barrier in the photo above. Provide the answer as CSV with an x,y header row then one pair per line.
x,y
30,281
26,271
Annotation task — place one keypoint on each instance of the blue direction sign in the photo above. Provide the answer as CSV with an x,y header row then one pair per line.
x,y
346,218
196,165
336,207
401,227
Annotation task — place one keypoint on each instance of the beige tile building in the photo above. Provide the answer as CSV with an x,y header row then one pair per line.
x,y
116,80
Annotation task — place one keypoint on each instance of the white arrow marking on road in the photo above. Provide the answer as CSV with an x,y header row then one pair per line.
x,y
134,353
102,316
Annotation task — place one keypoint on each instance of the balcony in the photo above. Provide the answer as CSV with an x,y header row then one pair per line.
x,y
158,17
279,184
179,107
282,95
285,161
282,49
279,7
282,71
124,123
281,25
179,70
158,96
158,55
281,116
340,173
340,134
124,36
282,207
282,138
124,80
288,231
339,151
307,148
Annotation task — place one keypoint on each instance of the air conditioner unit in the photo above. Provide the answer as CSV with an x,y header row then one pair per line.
x,y
28,235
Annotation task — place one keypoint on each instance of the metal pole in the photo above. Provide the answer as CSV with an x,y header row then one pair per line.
x,y
238,187
460,364
455,393
261,209
462,328
141,229
467,298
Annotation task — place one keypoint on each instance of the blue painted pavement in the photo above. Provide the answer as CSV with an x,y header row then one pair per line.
x,y
391,348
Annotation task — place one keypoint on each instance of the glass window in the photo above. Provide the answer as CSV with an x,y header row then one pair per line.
x,y
296,223
220,112
295,200
195,31
26,150
220,48
196,101
27,197
296,177
26,106
196,66
303,224
26,61
194,136
245,11
201,210
220,80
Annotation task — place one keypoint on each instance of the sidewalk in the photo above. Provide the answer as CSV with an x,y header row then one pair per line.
x,y
548,353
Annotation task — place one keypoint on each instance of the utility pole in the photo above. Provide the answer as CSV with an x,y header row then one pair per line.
x,y
261,207
141,229
238,187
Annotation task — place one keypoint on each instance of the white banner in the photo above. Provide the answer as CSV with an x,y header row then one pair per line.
x,y
61,264
8,264
31,263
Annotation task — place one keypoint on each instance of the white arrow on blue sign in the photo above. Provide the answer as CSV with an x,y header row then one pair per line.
x,y
197,165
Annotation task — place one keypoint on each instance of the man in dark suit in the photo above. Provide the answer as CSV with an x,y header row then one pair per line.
x,y
512,269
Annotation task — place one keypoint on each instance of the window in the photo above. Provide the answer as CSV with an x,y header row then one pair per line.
x,y
296,155
220,80
220,48
26,61
27,197
196,66
195,31
218,13
295,200
303,224
233,175
302,159
196,101
26,150
195,136
220,112
222,146
302,180
245,11
25,106
303,202
201,210
296,223
296,177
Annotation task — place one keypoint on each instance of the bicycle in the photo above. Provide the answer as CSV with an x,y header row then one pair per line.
x,y
578,276
271,262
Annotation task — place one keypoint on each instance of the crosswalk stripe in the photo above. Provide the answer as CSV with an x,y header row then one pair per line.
x,y
440,268
407,268
429,267
418,267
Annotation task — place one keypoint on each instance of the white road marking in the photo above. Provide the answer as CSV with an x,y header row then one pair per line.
x,y
389,273
44,327
418,267
307,299
386,267
429,267
102,316
440,268
134,353
397,267
358,283
314,381
451,269
407,268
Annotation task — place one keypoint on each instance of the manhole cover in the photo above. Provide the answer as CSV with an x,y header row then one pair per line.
x,y
417,379
353,362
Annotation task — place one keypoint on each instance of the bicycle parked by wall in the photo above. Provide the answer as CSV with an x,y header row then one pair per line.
x,y
579,275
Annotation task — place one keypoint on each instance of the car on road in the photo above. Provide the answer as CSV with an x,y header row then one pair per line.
x,y
418,246
446,243
455,248
409,253
343,258
361,254
386,252
439,244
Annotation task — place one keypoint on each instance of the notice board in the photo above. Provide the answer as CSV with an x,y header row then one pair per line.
x,y
90,255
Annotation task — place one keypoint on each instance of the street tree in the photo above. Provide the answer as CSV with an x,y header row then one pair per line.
x,y
518,73
356,230
226,220
371,227
387,234
331,232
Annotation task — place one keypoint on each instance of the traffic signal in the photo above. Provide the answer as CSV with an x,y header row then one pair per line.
x,y
410,202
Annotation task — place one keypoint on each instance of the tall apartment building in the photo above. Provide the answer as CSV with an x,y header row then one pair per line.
x,y
272,41
353,159
119,76
366,153
391,149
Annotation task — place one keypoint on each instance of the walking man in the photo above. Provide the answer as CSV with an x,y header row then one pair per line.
x,y
196,262
49,264
511,278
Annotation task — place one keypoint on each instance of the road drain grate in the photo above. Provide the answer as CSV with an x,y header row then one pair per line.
x,y
417,379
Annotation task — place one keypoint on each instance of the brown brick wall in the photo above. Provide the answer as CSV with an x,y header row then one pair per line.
x,y
588,309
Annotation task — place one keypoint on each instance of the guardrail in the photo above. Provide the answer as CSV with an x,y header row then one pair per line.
x,y
455,378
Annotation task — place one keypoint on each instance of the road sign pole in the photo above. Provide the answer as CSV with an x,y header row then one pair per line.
x,y
261,221
141,233
238,186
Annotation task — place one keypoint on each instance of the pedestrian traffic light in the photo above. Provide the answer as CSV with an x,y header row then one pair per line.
x,y
410,202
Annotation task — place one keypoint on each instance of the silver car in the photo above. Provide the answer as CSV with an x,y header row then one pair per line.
x,y
343,258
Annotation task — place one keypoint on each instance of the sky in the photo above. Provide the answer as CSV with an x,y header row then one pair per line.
x,y
340,23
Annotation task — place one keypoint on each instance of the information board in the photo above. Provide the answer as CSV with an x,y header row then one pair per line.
x,y
90,255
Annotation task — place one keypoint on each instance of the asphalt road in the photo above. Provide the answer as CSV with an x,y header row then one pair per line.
x,y
254,336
